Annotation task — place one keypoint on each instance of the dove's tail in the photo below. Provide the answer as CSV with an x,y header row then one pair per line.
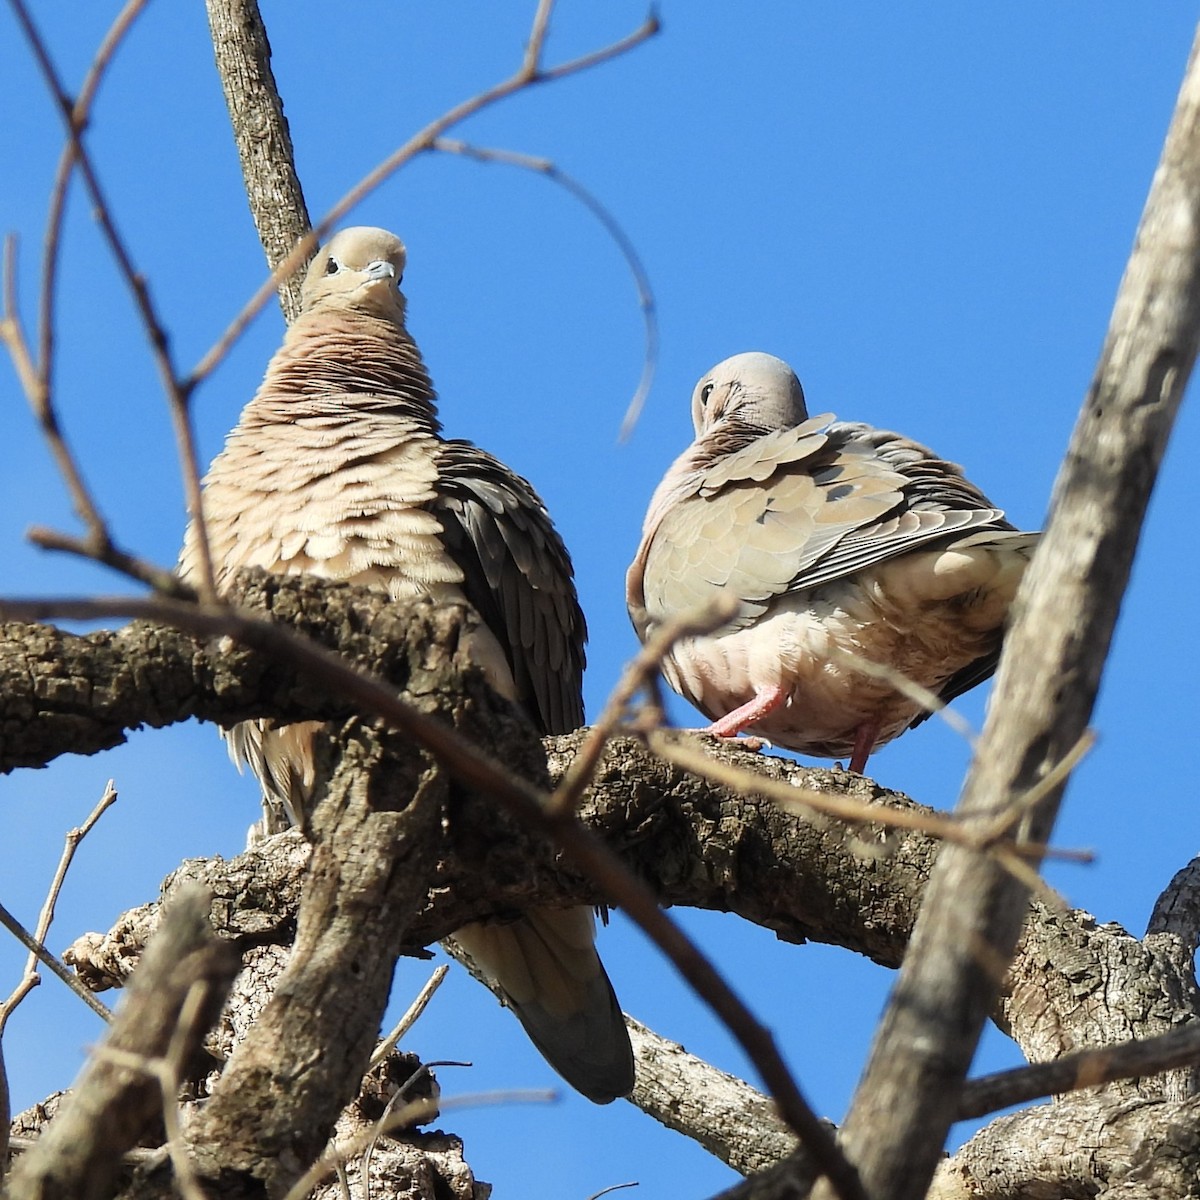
x,y
546,965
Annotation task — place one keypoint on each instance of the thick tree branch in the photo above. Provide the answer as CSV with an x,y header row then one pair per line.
x,y
728,1117
1047,680
693,841
260,130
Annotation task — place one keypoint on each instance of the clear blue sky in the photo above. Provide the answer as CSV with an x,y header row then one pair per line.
x,y
925,208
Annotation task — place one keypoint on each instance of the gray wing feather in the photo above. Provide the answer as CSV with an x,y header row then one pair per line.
x,y
803,507
518,576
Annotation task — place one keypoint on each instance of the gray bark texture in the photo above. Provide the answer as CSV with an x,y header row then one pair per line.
x,y
403,849
261,134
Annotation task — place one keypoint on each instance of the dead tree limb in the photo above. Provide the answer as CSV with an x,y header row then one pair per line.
x,y
1047,680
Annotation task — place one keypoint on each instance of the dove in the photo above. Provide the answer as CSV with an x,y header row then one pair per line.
x,y
835,543
337,467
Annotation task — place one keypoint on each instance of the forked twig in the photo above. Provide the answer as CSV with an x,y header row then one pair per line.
x,y
47,959
74,836
178,391
530,73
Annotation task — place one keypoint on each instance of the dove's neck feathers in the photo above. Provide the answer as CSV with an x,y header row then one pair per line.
x,y
341,361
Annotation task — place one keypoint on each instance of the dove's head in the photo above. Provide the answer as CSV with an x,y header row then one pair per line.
x,y
749,389
360,269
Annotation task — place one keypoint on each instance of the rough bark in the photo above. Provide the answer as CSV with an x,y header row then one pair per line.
x,y
260,131
1072,985
728,1117
1047,681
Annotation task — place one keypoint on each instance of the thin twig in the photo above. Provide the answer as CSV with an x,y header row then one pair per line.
x,y
1056,777
169,1071
847,808
614,1187
931,702
42,954
643,667
411,1016
546,168
81,112
1082,1069
37,391
178,392
130,565
530,73
74,836
425,1069
12,333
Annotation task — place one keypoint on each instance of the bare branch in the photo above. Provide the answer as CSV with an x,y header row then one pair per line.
x,y
412,1015
544,166
80,117
725,1115
130,565
1048,676
847,808
413,1113
640,671
461,755
1085,1069
46,917
260,130
47,959
178,393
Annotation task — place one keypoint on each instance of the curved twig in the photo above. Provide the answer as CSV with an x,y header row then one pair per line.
x,y
641,280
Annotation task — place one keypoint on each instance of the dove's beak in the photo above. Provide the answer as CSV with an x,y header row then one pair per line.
x,y
380,270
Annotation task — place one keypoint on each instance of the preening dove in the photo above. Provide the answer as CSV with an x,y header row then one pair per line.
x,y
337,468
833,540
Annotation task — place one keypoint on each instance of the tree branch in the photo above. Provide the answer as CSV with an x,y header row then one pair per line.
x,y
260,131
1047,680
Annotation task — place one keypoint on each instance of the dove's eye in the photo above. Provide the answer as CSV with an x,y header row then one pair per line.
x,y
332,267
705,392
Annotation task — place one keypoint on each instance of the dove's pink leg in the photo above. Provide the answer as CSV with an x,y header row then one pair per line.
x,y
765,702
864,743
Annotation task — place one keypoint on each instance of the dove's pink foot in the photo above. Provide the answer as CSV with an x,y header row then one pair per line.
x,y
864,743
764,703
